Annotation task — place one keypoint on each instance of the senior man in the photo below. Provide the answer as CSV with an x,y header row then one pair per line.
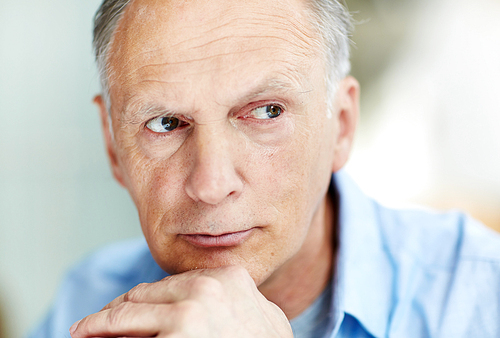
x,y
225,121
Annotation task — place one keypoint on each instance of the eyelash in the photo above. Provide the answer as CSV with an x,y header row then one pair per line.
x,y
258,105
181,124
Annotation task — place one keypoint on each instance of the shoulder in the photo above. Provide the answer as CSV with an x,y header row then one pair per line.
x,y
97,280
447,272
438,239
416,273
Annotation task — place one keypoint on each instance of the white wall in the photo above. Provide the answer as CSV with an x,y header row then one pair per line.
x,y
57,198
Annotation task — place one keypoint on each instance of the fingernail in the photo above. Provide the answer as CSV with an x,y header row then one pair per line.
x,y
73,327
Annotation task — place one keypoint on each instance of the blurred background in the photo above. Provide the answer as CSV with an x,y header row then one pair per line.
x,y
429,131
430,79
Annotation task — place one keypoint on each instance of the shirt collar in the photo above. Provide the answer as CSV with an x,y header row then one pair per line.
x,y
364,272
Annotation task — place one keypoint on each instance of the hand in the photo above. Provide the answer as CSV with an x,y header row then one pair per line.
x,y
222,302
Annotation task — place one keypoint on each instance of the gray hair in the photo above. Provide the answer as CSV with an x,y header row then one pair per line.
x,y
330,18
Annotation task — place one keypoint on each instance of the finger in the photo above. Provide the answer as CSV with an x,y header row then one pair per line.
x,y
191,284
169,290
162,292
129,320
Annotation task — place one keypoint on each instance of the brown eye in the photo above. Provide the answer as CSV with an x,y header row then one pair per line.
x,y
267,112
273,111
163,124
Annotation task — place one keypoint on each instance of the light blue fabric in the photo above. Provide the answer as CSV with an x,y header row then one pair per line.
x,y
399,274
96,281
313,322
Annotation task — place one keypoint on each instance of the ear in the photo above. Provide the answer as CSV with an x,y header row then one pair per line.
x,y
347,113
108,139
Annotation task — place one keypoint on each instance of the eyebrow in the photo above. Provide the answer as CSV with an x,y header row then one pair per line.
x,y
273,84
135,113
145,110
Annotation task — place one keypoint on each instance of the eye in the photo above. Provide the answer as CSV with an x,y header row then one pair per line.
x,y
163,124
267,112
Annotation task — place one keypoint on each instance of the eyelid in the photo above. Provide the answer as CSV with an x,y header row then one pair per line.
x,y
262,104
182,122
180,117
245,108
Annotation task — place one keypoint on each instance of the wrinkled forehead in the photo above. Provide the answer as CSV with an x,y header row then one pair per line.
x,y
203,28
180,18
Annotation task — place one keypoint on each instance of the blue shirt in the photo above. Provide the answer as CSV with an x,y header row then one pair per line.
x,y
399,273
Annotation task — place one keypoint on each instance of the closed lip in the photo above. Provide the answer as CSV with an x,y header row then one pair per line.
x,y
223,240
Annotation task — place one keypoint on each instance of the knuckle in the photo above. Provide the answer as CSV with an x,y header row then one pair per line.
x,y
237,272
204,285
136,293
188,308
118,315
83,326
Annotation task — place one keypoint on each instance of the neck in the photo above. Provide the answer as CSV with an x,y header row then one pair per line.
x,y
295,285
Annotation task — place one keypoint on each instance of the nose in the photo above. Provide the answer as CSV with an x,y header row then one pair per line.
x,y
213,176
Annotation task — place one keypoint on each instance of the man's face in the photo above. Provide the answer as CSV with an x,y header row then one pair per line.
x,y
221,133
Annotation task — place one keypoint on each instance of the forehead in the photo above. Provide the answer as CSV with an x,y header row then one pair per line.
x,y
221,42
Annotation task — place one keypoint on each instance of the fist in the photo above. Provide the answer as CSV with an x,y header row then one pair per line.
x,y
222,302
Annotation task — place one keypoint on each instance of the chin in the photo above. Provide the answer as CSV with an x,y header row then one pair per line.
x,y
212,258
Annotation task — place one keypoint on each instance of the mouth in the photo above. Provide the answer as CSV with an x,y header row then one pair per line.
x,y
224,240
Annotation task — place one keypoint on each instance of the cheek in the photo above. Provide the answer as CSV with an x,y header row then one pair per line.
x,y
163,200
303,172
144,176
286,179
295,165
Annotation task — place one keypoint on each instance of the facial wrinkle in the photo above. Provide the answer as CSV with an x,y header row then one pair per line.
x,y
137,105
135,56
290,22
136,111
299,32
213,56
269,18
146,111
